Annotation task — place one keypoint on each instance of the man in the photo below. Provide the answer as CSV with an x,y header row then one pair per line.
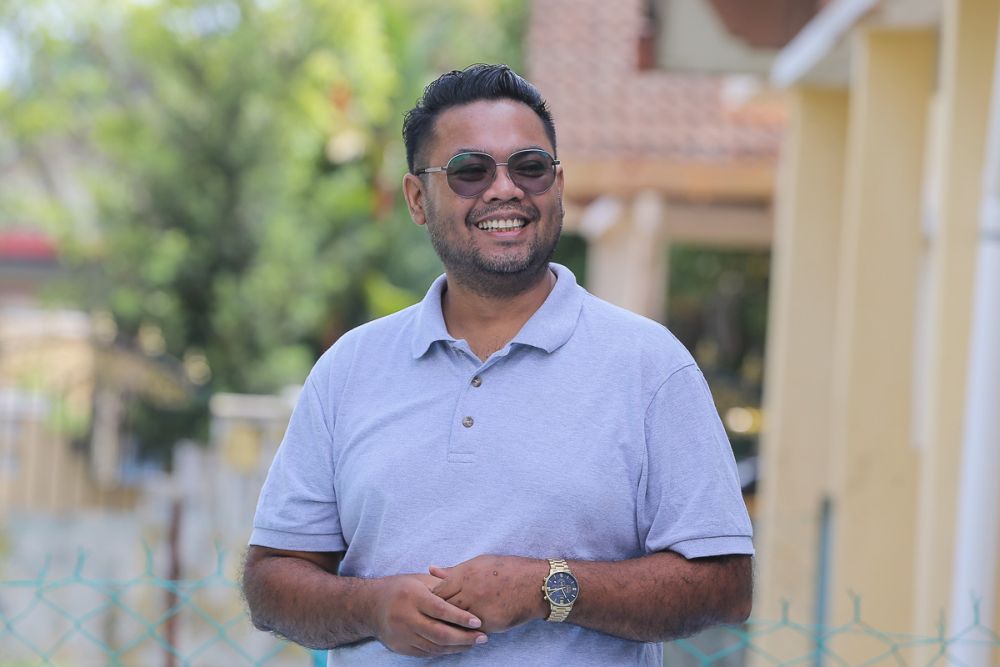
x,y
512,471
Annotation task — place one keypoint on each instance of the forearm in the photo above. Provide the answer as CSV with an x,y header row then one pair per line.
x,y
661,596
307,604
653,598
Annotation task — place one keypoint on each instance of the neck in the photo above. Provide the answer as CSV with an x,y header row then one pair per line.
x,y
488,322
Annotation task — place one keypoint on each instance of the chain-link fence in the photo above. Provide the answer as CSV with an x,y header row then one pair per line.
x,y
74,620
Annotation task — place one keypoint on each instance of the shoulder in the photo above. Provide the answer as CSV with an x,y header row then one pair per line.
x,y
634,338
381,331
374,343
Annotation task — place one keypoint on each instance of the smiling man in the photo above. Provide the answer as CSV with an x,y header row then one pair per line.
x,y
511,471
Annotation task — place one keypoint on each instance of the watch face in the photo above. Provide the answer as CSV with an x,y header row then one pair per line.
x,y
561,589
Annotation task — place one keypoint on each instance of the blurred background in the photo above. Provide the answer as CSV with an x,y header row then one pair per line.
x,y
198,197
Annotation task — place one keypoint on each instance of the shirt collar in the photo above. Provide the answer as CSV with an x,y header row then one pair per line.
x,y
548,328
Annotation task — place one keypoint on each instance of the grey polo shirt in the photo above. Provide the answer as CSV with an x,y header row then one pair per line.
x,y
591,435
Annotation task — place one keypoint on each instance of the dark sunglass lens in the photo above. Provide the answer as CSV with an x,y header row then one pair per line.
x,y
532,171
470,173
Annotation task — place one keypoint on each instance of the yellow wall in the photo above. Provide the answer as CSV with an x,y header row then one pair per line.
x,y
968,41
874,465
901,279
796,438
42,472
848,250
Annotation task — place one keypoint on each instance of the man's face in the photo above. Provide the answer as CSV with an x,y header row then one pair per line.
x,y
489,262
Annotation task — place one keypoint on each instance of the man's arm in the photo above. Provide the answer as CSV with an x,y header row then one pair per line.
x,y
653,598
299,595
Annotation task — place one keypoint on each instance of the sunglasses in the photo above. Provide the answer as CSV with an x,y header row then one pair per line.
x,y
470,174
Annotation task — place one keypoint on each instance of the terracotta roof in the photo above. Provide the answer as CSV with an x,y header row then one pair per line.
x,y
583,55
26,245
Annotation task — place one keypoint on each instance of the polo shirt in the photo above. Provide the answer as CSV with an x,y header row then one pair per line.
x,y
591,435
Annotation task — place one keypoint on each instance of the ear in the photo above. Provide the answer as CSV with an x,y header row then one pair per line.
x,y
413,190
559,180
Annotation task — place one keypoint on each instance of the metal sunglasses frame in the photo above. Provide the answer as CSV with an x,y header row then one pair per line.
x,y
444,169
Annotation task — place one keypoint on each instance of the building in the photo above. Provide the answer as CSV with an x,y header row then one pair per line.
x,y
652,158
882,445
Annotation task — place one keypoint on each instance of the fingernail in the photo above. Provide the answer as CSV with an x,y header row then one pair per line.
x,y
482,639
475,622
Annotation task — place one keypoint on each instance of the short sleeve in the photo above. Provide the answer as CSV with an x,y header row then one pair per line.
x,y
690,499
297,508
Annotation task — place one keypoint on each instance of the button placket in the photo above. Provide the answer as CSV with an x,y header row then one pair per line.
x,y
469,421
466,434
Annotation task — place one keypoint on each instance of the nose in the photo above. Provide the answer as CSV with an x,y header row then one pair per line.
x,y
503,188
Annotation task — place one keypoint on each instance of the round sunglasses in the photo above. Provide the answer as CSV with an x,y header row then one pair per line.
x,y
470,174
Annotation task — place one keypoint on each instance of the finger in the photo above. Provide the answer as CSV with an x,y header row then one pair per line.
x,y
444,635
437,608
418,648
458,601
440,572
428,580
447,588
423,648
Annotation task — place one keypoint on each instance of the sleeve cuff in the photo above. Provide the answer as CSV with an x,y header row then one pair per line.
x,y
714,546
278,539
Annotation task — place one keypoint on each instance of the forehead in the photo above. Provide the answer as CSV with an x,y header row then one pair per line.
x,y
498,127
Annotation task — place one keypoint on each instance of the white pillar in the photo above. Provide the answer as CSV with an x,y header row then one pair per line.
x,y
626,252
977,541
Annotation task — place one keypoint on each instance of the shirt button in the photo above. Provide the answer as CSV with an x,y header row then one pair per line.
x,y
476,381
468,422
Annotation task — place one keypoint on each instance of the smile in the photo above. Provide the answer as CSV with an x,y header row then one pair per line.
x,y
500,225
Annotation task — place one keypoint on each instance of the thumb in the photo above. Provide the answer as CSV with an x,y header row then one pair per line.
x,y
439,572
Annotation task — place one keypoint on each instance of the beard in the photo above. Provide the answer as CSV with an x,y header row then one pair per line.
x,y
502,274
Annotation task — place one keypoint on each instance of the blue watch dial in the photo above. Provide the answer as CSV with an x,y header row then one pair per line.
x,y
561,588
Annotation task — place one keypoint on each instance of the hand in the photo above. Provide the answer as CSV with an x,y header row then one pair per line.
x,y
503,591
411,620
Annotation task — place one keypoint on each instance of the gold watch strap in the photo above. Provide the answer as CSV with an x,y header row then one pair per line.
x,y
557,614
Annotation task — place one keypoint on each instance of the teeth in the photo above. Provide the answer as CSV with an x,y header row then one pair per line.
x,y
500,225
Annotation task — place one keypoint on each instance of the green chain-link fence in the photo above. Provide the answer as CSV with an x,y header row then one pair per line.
x,y
75,620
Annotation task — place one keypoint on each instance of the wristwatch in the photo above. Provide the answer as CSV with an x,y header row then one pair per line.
x,y
561,589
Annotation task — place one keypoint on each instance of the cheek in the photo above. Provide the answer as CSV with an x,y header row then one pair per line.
x,y
445,212
554,211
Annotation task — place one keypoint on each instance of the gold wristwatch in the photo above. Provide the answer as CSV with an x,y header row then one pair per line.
x,y
561,589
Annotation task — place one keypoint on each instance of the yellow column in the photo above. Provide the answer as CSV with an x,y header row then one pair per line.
x,y
873,461
968,42
796,439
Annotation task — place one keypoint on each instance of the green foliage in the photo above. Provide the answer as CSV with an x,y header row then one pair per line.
x,y
572,253
717,307
227,171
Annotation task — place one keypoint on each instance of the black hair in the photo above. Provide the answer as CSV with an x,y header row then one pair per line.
x,y
472,84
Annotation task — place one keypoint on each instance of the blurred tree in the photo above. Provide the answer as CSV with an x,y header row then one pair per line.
x,y
223,175
717,307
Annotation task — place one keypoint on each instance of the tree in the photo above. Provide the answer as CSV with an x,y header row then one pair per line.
x,y
223,175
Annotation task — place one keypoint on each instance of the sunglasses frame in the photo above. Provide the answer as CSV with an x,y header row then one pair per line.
x,y
444,170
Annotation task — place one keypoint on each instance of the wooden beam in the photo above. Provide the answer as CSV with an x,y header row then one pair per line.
x,y
588,178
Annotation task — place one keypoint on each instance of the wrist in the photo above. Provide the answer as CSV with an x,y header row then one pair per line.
x,y
539,606
373,593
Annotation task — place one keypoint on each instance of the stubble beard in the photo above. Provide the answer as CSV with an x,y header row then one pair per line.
x,y
499,276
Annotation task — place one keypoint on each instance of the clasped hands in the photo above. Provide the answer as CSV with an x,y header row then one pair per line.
x,y
452,609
